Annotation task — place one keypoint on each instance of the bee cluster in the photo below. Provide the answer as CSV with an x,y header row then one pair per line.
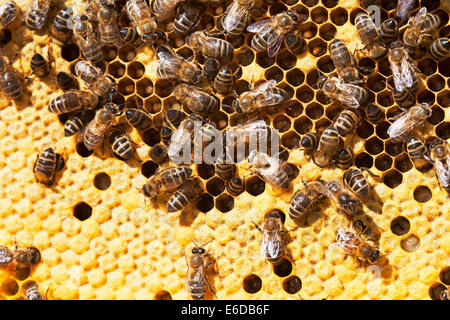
x,y
202,60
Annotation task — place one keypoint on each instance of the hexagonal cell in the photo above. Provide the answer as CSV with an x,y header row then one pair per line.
x,y
443,99
339,16
277,8
322,98
435,291
430,5
109,53
436,83
305,94
392,178
444,275
442,130
252,283
295,77
321,125
393,148
205,203
136,70
327,32
149,168
224,203
437,115
293,108
102,181
319,15
70,52
292,284
144,87
116,69
411,243
151,137
241,86
245,57
274,73
381,130
354,13
22,273
289,90
10,287
314,110
82,211
330,3
374,146
383,162
163,88
163,295
317,47
286,60
333,111
325,64
264,61
402,163
376,82
152,104
215,186
290,140
283,268
302,12
310,3
363,160
384,67
255,186
427,66
220,119
365,129
426,96
127,53
281,123
444,67
385,99
422,194
126,86
400,226
205,171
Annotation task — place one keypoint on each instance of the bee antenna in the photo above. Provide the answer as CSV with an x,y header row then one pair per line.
x,y
195,243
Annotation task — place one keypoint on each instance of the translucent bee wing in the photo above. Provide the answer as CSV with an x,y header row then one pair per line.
x,y
166,56
259,26
179,138
274,248
443,172
275,42
264,86
345,97
270,246
419,18
403,76
370,35
233,16
40,18
399,126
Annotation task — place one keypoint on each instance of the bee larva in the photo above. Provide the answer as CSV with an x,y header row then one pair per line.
x,y
36,14
440,49
388,30
31,291
121,144
344,159
8,12
59,29
76,124
295,43
129,36
211,68
46,165
138,119
356,182
225,167
418,153
187,193
203,42
328,146
374,113
39,65
224,81
73,100
310,141
187,18
343,61
272,245
66,81
10,81
97,127
347,121
166,179
158,153
304,200
235,186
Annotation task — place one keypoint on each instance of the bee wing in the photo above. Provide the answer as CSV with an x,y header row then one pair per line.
x,y
275,42
443,173
399,126
270,245
419,18
345,97
234,14
259,26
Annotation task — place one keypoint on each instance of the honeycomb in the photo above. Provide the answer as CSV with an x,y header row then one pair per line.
x,y
99,239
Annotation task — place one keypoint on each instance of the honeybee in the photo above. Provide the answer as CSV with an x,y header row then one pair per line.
x,y
211,68
209,133
304,200
138,119
374,113
310,141
272,245
173,67
354,245
420,28
6,256
196,280
158,153
66,81
182,135
108,29
25,258
347,121
262,95
97,127
343,61
187,193
440,155
327,147
95,6
36,14
73,100
121,144
87,40
187,18
31,291
236,17
445,295
203,42
8,12
195,99
244,133
166,179
348,94
440,49
404,98
405,76
344,158
356,182
270,169
39,65
129,36
224,81
369,36
46,165
295,43
76,124
403,8
163,9
270,33
235,186
59,28
348,205
418,153
388,30
171,120
10,82
93,77
407,121
139,13
225,166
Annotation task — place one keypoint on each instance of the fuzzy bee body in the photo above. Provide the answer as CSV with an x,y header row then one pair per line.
x,y
66,81
374,113
138,119
165,180
440,49
39,65
10,83
60,29
73,100
343,61
347,121
418,153
121,144
440,154
272,245
46,165
388,30
235,186
158,153
369,36
355,181
344,159
186,194
8,12
224,81
31,291
36,14
304,200
75,124
188,16
310,141
97,127
225,167
327,147
295,43
109,31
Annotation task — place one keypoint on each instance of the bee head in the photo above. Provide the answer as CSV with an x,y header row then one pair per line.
x,y
426,108
374,256
198,250
321,81
294,15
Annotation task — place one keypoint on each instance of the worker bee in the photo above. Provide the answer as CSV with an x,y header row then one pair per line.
x,y
270,169
196,280
60,29
6,256
39,65
354,245
87,40
203,42
368,34
356,182
270,33
138,119
121,144
224,81
327,147
108,29
187,193
195,99
73,100
225,166
97,127
25,258
407,121
272,245
236,17
295,43
374,113
10,82
344,158
8,12
445,295
75,124
347,121
403,71
310,141
243,134
208,134
93,77
95,6
388,30
46,165
440,155
129,36
404,98
158,153
171,120
348,205
343,61
418,153
187,18
348,94
139,13
262,95
166,179
36,14
235,186
440,49
304,200
182,135
66,81
404,7
163,9
420,28
173,67
31,291
211,68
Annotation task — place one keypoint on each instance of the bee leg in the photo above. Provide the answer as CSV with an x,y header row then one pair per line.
x,y
209,287
257,227
369,172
